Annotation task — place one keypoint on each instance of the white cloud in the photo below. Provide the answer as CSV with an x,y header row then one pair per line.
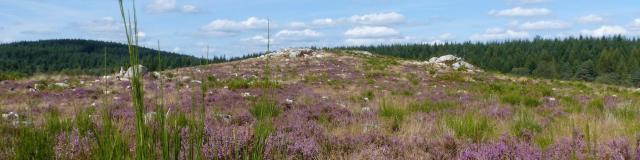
x,y
298,34
377,41
592,18
446,36
521,12
259,40
371,32
530,1
164,6
378,18
177,49
230,27
636,23
189,8
159,6
142,35
102,25
324,22
545,25
499,34
606,31
298,25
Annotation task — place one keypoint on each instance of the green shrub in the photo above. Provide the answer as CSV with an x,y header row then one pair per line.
x,y
451,77
379,63
54,124
34,143
518,99
531,102
627,112
471,126
83,121
392,112
596,105
429,106
11,75
524,123
512,99
262,130
264,108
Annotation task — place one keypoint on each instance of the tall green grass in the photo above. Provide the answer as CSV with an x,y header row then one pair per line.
x,y
471,126
393,112
143,143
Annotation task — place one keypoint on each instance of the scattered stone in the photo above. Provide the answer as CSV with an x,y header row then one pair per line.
x,y
156,74
142,70
11,116
148,117
367,53
296,52
63,85
196,81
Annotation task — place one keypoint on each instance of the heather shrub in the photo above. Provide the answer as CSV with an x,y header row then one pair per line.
x,y
430,106
471,126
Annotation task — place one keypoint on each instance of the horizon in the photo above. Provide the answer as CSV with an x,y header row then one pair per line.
x,y
188,26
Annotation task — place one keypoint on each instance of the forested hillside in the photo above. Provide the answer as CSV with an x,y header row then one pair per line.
x,y
69,56
611,60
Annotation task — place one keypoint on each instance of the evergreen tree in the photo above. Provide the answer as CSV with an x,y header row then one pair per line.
x,y
586,71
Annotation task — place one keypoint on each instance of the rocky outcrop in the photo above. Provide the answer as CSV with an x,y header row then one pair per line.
x,y
142,70
448,63
296,52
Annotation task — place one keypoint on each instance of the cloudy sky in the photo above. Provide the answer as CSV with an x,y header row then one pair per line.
x,y
236,27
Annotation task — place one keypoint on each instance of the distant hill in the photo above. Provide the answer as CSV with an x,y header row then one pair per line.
x,y
610,60
72,56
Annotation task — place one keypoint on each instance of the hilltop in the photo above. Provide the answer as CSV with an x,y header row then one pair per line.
x,y
76,56
343,104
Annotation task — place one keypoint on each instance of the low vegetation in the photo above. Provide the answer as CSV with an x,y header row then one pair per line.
x,y
332,105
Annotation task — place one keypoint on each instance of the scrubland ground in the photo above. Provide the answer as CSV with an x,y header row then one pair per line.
x,y
335,105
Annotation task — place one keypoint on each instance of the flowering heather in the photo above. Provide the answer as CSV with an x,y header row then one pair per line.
x,y
318,110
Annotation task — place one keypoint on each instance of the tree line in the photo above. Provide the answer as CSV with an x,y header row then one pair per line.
x,y
76,56
611,60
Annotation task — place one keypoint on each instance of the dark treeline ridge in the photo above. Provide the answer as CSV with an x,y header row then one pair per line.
x,y
75,56
610,60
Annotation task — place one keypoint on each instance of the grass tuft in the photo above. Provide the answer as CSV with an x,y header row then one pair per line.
x,y
471,126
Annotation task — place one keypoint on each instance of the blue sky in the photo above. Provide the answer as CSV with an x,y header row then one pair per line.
x,y
235,27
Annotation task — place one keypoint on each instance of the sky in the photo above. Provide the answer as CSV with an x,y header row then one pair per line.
x,y
238,27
